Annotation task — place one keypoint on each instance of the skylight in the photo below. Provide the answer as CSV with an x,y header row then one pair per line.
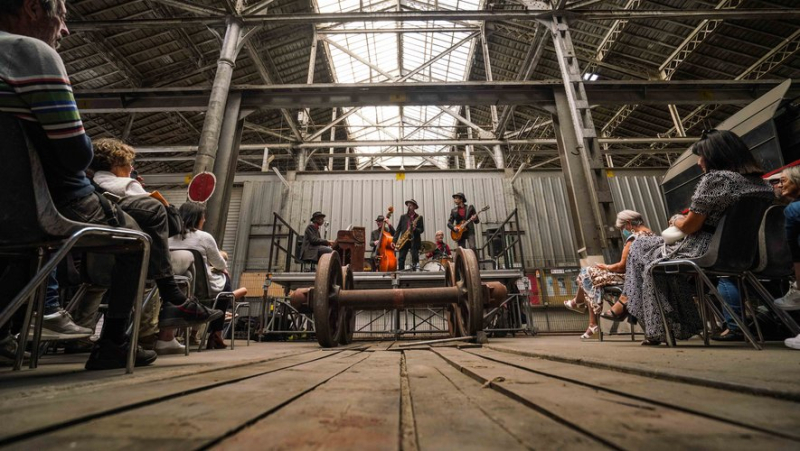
x,y
370,56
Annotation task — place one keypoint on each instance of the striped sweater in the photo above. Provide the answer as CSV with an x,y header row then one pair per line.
x,y
35,87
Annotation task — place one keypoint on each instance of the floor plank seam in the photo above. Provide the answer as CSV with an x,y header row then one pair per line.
x,y
121,409
640,398
129,381
698,381
276,408
531,405
485,413
409,439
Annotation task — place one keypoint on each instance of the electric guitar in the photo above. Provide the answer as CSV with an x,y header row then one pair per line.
x,y
459,229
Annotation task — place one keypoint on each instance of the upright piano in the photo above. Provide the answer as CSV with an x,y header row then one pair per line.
x,y
351,245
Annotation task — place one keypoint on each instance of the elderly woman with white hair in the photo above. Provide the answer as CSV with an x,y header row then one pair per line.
x,y
592,279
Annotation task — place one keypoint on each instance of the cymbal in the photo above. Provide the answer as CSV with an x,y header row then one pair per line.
x,y
427,246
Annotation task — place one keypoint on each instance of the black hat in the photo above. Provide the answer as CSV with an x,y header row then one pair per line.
x,y
316,215
412,201
461,195
379,218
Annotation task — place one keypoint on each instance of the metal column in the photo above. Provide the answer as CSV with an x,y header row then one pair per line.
x,y
209,138
577,137
225,167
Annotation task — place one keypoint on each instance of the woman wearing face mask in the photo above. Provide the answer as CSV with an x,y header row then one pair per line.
x,y
592,279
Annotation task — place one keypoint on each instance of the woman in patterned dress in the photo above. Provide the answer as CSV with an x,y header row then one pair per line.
x,y
592,279
730,173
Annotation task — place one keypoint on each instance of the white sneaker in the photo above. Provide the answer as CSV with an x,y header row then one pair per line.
x,y
169,347
60,326
790,301
793,343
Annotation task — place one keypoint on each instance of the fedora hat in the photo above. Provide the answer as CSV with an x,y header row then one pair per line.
x,y
412,201
379,218
316,215
461,195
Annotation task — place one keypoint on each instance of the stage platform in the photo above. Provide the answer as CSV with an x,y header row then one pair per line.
x,y
544,392
401,279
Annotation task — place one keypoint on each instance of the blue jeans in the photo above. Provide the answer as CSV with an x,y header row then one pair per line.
x,y
730,293
792,214
52,302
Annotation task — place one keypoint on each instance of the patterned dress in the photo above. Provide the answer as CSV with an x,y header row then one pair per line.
x,y
592,279
716,191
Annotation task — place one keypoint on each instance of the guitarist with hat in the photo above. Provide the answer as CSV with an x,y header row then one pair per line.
x,y
458,215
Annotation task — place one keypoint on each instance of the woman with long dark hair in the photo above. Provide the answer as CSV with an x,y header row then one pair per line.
x,y
193,237
731,173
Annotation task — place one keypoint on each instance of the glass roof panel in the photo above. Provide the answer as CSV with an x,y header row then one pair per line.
x,y
371,57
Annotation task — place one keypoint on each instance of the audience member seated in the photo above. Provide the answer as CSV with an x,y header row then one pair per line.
x,y
313,244
592,279
731,173
112,166
35,87
193,237
790,189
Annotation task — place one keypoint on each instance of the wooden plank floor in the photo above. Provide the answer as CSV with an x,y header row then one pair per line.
x,y
525,393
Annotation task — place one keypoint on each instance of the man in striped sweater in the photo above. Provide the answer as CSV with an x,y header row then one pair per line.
x,y
35,87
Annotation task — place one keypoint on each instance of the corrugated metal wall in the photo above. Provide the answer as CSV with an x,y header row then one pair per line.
x,y
356,198
541,199
641,193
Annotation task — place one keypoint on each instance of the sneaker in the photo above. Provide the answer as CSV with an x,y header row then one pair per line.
x,y
8,350
109,356
60,326
169,347
793,343
790,301
187,314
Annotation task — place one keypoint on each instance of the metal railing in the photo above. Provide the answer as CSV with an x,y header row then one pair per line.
x,y
513,253
278,237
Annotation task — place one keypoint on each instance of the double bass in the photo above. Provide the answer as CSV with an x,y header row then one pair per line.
x,y
387,261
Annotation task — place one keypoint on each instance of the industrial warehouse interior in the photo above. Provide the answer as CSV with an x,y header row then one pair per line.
x,y
400,224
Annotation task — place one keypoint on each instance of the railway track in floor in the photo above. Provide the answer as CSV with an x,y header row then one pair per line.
x,y
374,396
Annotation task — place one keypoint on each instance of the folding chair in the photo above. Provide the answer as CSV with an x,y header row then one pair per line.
x,y
774,262
731,253
32,228
202,291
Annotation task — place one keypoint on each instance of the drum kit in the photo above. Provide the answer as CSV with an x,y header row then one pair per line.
x,y
430,265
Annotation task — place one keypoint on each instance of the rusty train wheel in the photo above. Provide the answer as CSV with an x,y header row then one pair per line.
x,y
348,315
327,314
468,280
455,326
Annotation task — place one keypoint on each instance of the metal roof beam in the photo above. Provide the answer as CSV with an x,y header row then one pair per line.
x,y
449,94
422,16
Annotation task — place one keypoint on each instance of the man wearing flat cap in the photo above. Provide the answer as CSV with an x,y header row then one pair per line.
x,y
313,244
460,213
375,237
413,222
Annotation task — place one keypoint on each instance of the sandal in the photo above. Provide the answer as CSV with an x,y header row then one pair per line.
x,y
613,316
574,306
649,342
589,332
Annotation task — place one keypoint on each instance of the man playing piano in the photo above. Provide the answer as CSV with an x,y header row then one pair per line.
x,y
313,244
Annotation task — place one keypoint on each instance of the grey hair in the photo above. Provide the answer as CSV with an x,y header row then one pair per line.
x,y
793,174
629,215
13,7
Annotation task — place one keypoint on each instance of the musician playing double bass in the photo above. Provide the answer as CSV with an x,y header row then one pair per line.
x,y
409,235
460,213
375,237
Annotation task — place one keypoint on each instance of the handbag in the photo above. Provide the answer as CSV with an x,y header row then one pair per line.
x,y
672,235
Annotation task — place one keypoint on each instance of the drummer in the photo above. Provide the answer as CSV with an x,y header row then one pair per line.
x,y
442,249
